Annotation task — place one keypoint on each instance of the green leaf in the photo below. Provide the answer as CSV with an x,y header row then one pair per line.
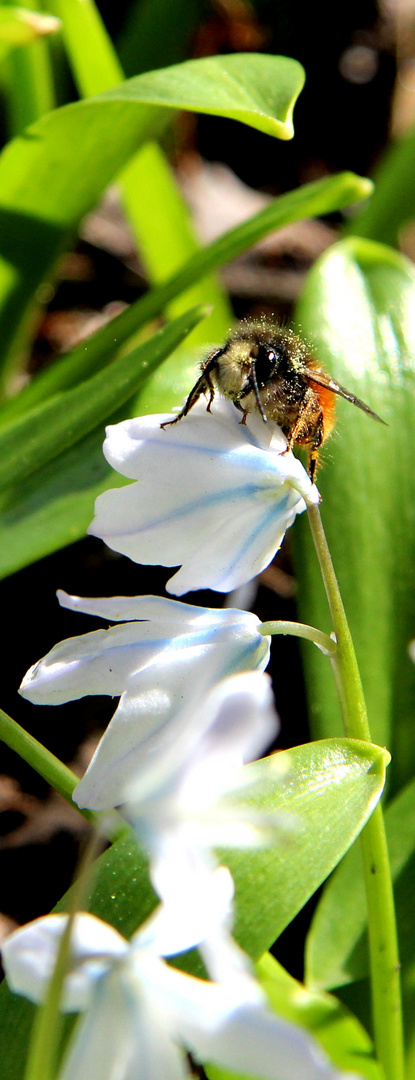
x,y
54,506
26,75
358,309
325,791
35,439
393,203
141,46
337,951
87,143
153,203
329,790
339,1033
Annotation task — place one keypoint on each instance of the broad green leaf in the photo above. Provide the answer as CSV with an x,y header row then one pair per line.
x,y
342,1037
337,951
87,143
56,425
325,791
19,26
328,802
358,309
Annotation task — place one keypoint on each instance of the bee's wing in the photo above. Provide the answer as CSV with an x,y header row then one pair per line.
x,y
324,380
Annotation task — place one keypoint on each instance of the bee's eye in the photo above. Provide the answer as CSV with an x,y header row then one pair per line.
x,y
265,364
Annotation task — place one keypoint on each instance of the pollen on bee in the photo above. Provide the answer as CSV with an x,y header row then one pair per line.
x,y
327,403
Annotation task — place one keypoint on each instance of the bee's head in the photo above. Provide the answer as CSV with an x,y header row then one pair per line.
x,y
269,359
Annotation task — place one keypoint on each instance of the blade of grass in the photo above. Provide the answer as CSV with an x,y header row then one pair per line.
x,y
311,200
154,206
63,420
27,77
86,144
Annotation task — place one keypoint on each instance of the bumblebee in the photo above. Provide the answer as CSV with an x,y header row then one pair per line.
x,y
268,369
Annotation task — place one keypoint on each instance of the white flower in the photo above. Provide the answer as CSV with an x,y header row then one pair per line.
x,y
196,797
210,494
192,800
175,652
142,1015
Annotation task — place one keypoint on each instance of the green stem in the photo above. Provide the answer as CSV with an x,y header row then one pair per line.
x,y
310,633
46,1036
383,943
46,764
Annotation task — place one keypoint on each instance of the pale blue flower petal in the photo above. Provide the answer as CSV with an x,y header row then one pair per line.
x,y
123,1037
104,661
176,805
158,720
230,1025
190,914
210,494
29,955
253,1041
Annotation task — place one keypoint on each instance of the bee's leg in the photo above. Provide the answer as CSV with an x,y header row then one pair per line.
x,y
305,420
204,385
309,422
241,409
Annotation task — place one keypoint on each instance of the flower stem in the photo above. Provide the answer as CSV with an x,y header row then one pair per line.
x,y
383,943
310,633
42,760
47,1031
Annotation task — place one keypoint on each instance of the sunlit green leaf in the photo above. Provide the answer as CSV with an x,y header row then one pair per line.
x,y
358,309
337,944
393,204
339,1033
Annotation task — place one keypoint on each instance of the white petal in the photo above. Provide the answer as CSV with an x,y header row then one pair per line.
x,y
156,608
197,1008
220,503
198,904
102,661
154,724
256,1042
238,722
209,740
122,1038
29,956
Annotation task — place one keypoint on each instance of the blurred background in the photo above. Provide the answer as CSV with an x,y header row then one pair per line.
x,y
359,60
